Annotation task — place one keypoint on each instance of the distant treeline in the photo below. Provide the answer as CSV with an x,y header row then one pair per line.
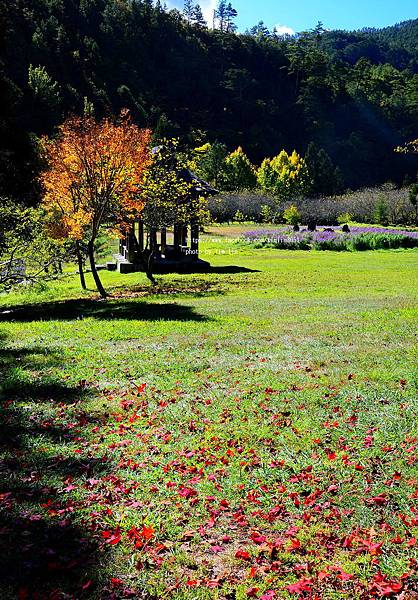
x,y
353,94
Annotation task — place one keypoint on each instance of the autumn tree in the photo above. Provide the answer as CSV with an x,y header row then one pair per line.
x,y
92,180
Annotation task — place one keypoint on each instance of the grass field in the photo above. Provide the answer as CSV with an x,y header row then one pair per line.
x,y
246,433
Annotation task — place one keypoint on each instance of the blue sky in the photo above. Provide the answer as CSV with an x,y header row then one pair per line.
x,y
298,15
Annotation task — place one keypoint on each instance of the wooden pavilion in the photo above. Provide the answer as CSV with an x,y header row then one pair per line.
x,y
176,249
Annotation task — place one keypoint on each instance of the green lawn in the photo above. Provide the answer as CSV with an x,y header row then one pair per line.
x,y
228,436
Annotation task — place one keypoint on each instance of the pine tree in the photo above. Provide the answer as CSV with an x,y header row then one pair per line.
x,y
231,14
198,18
223,17
325,178
219,16
188,10
259,30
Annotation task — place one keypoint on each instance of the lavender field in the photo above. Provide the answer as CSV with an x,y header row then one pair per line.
x,y
335,238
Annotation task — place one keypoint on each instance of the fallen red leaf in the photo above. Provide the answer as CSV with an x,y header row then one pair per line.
x,y
242,554
303,585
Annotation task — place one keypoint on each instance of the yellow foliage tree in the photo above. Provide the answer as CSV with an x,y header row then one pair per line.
x,y
285,177
240,174
409,148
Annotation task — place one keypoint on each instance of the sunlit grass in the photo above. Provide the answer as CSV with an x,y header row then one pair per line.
x,y
290,377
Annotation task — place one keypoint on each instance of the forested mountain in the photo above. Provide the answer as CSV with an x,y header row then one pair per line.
x,y
396,45
353,94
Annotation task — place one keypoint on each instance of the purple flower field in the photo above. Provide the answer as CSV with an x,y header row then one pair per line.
x,y
358,238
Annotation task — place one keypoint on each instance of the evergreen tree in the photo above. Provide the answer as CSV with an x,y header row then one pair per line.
x,y
210,162
193,13
259,30
224,17
198,18
43,87
345,90
231,14
188,10
324,178
219,16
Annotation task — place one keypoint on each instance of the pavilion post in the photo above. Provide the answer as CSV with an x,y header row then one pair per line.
x,y
194,240
130,245
184,235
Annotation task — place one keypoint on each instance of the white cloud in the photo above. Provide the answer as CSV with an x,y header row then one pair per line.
x,y
284,30
207,6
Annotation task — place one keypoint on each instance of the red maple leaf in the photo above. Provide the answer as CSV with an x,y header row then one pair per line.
x,y
303,585
257,538
112,537
380,500
140,536
384,587
242,554
268,595
252,592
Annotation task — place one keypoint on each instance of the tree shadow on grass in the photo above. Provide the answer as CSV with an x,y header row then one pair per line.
x,y
42,550
98,309
231,269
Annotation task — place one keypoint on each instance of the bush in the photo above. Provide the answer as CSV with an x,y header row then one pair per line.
x,y
360,206
239,217
291,215
381,241
344,218
266,214
381,211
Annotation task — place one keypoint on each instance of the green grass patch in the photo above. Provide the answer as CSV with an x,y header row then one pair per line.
x,y
228,435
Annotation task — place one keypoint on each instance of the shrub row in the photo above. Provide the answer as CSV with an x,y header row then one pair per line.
x,y
361,205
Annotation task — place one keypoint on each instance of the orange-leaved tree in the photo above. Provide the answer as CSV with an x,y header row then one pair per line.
x,y
92,180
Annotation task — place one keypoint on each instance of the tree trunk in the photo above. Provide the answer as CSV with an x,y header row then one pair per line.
x,y
147,259
148,269
147,256
80,266
95,274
